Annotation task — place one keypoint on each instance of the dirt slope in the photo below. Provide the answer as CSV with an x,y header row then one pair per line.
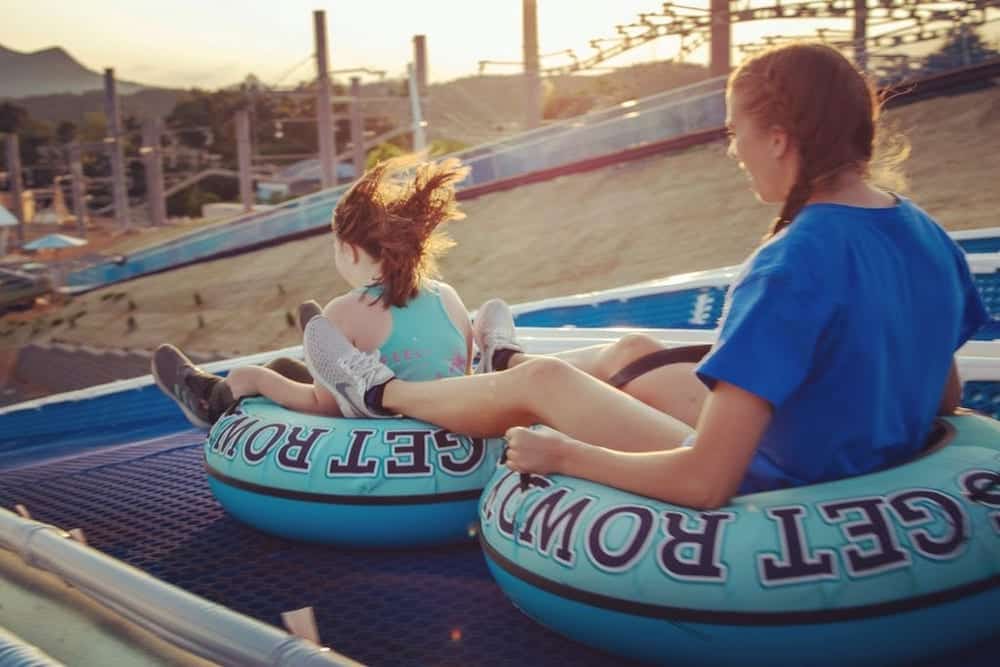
x,y
623,224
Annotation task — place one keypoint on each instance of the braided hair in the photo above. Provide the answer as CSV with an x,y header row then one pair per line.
x,y
828,108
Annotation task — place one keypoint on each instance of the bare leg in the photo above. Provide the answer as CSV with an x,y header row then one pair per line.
x,y
541,390
603,361
255,380
672,389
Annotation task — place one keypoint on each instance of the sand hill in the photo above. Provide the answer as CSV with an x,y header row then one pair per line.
x,y
615,226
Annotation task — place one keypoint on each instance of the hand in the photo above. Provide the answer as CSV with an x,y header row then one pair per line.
x,y
538,449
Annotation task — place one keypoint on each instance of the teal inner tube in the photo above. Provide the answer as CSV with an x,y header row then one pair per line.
x,y
354,482
889,567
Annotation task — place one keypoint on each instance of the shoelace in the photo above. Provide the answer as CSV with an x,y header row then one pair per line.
x,y
360,364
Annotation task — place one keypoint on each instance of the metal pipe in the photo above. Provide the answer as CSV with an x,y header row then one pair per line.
x,y
204,628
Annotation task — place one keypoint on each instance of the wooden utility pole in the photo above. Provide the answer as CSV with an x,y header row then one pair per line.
x,y
420,61
16,186
860,33
243,158
357,128
153,161
720,39
79,187
419,137
532,78
115,148
324,114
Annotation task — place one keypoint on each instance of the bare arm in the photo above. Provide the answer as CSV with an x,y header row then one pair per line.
x,y
459,315
951,397
704,476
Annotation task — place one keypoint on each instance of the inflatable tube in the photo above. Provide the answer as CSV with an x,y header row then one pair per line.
x,y
354,482
16,653
889,567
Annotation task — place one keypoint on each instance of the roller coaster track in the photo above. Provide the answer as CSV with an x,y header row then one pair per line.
x,y
693,25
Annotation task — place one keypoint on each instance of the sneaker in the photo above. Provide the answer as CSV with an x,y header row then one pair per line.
x,y
195,391
493,330
345,371
308,310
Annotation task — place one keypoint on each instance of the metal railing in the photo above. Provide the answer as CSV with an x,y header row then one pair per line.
x,y
690,108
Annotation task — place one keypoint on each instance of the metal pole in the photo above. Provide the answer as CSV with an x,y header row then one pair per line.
x,y
118,188
420,61
324,114
16,186
720,38
243,157
357,128
419,137
79,187
860,33
532,79
153,161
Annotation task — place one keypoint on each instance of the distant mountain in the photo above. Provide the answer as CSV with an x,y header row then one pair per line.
x,y
147,103
47,72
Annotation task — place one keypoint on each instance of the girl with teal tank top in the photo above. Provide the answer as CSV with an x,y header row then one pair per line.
x,y
386,242
424,343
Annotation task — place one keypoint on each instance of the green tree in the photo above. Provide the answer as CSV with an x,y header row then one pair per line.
x,y
95,127
385,151
66,132
965,46
12,117
445,146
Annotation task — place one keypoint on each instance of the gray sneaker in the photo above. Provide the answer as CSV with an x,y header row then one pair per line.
x,y
200,395
493,330
345,371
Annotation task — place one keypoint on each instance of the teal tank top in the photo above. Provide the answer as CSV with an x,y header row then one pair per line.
x,y
424,344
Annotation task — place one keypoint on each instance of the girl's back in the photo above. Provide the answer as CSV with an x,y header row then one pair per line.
x,y
426,339
865,309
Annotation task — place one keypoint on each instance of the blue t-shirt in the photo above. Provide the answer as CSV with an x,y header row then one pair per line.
x,y
846,323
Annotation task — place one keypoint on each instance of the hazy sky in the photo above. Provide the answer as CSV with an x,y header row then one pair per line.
x,y
210,43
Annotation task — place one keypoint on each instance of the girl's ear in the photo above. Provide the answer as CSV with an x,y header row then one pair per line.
x,y
779,142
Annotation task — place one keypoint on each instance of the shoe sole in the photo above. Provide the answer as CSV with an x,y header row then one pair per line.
x,y
321,336
191,417
307,311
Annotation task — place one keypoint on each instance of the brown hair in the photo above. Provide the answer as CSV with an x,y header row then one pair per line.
x,y
829,109
395,221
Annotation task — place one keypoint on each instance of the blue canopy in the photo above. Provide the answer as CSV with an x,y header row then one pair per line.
x,y
54,241
7,218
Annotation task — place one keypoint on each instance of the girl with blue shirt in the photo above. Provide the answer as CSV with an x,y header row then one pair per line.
x,y
834,355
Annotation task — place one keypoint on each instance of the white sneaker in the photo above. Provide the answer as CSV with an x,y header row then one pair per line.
x,y
493,330
345,371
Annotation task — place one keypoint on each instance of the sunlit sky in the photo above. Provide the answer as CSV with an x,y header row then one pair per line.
x,y
211,43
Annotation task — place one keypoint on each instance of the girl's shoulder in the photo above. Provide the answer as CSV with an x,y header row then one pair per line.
x,y
453,304
793,252
363,320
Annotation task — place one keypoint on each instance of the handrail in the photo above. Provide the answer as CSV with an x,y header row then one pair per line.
x,y
199,626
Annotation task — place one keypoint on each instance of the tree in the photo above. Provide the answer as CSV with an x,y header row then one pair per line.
x,y
66,132
383,152
965,46
12,117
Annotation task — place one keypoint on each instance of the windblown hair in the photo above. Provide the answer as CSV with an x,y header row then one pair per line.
x,y
393,212
829,109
